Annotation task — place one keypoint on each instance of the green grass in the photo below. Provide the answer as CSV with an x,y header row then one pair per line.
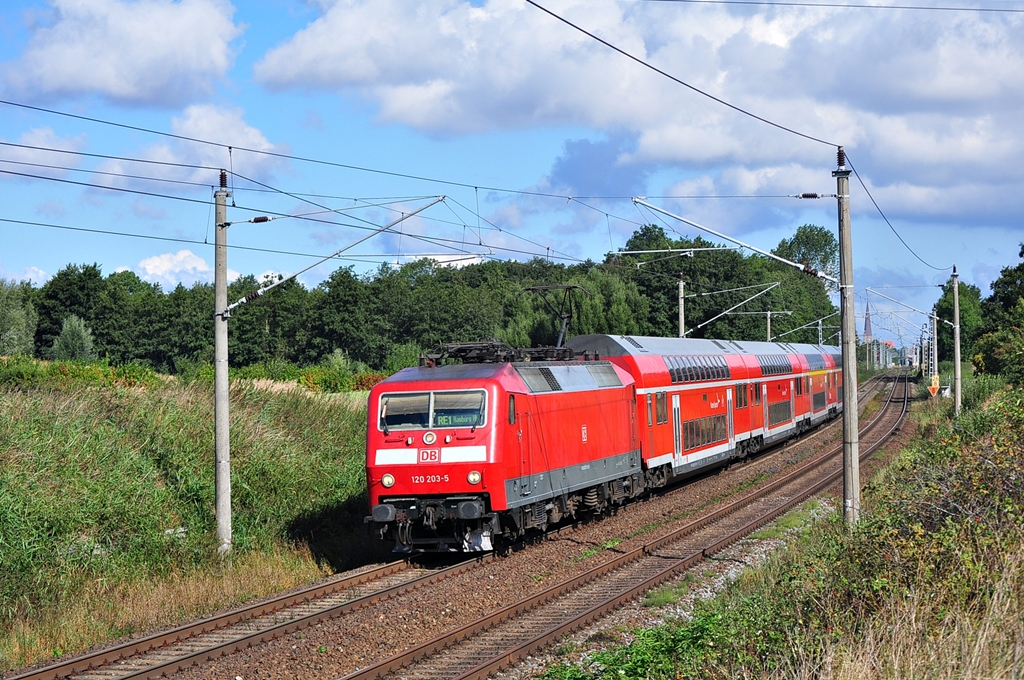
x,y
114,485
670,594
594,550
799,519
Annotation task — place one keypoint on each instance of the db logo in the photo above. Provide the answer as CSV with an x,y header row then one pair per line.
x,y
430,455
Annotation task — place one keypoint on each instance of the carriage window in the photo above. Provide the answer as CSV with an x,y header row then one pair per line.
x,y
650,412
691,372
662,407
757,393
511,409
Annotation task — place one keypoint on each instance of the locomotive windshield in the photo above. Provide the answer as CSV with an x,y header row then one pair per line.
x,y
422,410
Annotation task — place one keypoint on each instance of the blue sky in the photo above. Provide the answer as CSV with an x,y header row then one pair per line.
x,y
513,112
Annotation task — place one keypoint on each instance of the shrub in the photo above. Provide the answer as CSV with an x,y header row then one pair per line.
x,y
192,371
272,369
21,371
367,379
74,342
402,356
336,373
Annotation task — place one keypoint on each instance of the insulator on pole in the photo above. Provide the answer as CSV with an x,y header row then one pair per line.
x,y
223,179
260,219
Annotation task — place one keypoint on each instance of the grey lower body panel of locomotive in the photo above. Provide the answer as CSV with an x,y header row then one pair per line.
x,y
529,489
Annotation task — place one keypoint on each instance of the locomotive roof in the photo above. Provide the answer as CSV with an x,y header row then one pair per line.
x,y
620,345
450,372
538,376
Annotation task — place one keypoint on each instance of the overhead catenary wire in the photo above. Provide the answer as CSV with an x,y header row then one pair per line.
x,y
436,240
442,242
314,203
171,239
268,189
886,219
265,289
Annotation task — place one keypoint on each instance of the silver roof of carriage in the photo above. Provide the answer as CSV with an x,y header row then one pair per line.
x,y
619,345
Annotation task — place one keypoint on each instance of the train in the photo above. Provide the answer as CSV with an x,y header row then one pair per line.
x,y
470,455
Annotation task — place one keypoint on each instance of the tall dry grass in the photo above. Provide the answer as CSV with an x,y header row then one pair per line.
x,y
102,609
917,639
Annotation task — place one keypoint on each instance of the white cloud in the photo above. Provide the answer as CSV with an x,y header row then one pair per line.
x,y
149,52
224,126
933,96
170,269
34,274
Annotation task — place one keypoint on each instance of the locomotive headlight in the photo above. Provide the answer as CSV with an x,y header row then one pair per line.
x,y
473,477
429,438
388,481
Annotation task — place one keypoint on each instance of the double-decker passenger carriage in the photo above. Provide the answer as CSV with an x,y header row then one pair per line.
x,y
513,440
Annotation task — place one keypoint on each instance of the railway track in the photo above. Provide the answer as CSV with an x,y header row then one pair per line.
x,y
166,653
498,640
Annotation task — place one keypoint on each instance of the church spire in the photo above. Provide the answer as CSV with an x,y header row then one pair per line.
x,y
867,322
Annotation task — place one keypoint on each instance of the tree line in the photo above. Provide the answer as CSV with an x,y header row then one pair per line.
x,y
384,319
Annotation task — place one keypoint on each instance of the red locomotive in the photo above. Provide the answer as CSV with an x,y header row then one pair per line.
x,y
511,440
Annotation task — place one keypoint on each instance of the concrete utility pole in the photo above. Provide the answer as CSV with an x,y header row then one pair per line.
x,y
933,348
851,436
956,342
222,440
770,312
682,308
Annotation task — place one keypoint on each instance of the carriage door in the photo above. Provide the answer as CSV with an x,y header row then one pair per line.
x,y
525,454
677,430
729,418
792,402
764,406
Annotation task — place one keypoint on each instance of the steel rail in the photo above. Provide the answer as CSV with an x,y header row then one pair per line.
x,y
510,655
102,659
